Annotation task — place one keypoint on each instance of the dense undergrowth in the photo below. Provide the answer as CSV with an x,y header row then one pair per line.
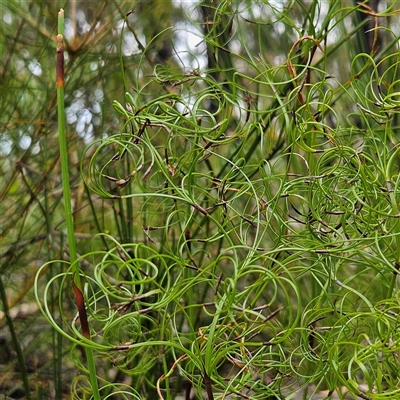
x,y
243,222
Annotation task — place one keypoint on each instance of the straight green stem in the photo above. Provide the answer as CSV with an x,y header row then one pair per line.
x,y
66,189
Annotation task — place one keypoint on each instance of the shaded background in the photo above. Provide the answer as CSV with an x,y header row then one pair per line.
x,y
113,47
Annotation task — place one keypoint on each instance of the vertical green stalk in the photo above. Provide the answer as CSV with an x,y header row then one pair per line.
x,y
63,141
67,203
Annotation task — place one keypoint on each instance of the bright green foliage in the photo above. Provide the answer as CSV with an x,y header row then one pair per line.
x,y
236,210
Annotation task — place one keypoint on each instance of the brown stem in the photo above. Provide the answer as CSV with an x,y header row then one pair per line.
x,y
207,383
80,302
60,61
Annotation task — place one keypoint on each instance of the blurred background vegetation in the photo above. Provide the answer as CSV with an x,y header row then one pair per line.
x,y
148,49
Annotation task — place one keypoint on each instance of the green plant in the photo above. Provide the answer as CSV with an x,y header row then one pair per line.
x,y
245,215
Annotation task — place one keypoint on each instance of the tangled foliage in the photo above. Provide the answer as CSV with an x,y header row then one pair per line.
x,y
256,210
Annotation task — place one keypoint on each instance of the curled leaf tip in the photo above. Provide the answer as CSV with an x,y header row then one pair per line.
x,y
61,12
